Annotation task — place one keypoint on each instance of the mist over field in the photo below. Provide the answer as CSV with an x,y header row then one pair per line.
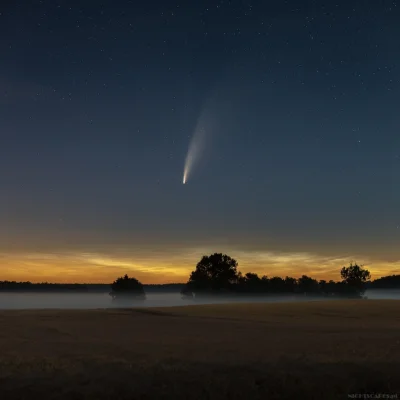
x,y
20,301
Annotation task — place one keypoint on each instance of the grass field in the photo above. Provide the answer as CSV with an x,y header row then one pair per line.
x,y
310,350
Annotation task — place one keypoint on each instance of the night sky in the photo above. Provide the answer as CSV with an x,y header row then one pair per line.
x,y
299,162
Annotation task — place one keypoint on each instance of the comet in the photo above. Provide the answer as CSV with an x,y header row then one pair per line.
x,y
204,132
194,152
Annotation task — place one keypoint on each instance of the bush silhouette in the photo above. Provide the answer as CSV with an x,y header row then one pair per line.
x,y
126,288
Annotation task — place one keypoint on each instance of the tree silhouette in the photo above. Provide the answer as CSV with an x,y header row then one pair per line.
x,y
355,277
290,284
322,286
307,285
126,288
249,283
252,278
214,273
276,284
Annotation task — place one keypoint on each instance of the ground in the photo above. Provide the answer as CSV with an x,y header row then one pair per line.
x,y
313,350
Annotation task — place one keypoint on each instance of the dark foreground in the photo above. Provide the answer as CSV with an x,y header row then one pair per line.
x,y
315,350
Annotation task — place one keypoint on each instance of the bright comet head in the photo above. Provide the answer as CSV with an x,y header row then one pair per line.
x,y
184,176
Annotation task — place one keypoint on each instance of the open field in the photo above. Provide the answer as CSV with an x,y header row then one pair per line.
x,y
312,350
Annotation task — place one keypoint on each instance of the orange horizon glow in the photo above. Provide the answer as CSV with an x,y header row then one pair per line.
x,y
78,267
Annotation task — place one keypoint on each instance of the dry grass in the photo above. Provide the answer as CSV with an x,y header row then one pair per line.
x,y
307,350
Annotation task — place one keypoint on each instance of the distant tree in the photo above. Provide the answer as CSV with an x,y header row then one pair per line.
x,y
307,285
290,284
214,273
387,282
355,277
327,288
252,283
252,278
127,289
249,283
330,287
276,284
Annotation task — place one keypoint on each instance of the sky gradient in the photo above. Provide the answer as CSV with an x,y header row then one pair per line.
x,y
298,167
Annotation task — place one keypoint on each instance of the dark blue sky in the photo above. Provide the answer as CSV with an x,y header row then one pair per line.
x,y
99,102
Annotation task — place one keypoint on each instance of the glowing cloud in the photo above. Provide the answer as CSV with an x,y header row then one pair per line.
x,y
175,264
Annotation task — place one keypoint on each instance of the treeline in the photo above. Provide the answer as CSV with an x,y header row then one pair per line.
x,y
252,284
386,282
6,286
13,286
218,274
